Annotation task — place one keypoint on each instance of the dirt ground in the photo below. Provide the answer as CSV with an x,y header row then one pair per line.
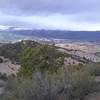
x,y
7,67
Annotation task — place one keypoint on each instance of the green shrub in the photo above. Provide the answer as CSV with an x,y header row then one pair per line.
x,y
93,69
1,60
3,76
67,84
43,58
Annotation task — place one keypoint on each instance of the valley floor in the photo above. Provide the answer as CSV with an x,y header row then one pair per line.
x,y
87,50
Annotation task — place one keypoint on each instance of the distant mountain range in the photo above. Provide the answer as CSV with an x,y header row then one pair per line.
x,y
51,34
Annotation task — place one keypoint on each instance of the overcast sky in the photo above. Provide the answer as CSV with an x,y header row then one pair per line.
x,y
51,14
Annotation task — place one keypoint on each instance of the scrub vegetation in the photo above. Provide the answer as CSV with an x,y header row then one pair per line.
x,y
44,76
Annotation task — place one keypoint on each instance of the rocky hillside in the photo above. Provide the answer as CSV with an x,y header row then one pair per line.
x,y
11,51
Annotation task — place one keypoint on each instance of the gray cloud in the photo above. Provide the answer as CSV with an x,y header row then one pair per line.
x,y
51,14
32,7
